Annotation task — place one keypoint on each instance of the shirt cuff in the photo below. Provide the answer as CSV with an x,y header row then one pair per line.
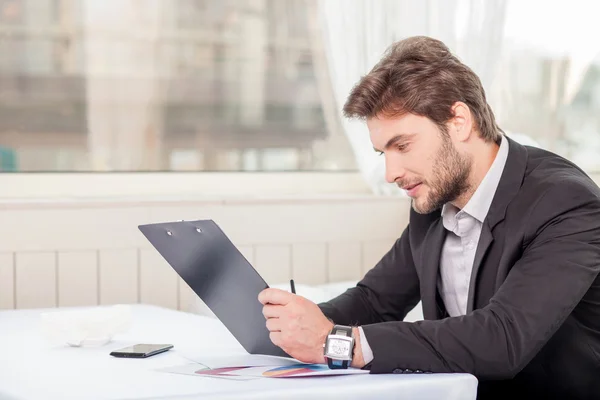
x,y
366,349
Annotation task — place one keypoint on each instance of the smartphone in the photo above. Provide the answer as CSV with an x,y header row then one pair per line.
x,y
141,350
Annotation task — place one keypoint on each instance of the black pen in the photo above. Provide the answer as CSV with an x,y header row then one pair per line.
x,y
293,286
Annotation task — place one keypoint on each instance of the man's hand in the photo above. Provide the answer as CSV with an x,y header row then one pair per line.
x,y
296,324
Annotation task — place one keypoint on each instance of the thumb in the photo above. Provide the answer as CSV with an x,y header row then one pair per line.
x,y
275,296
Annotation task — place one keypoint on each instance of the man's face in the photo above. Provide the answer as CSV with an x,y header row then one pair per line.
x,y
421,159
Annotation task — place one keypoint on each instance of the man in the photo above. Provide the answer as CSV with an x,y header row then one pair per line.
x,y
502,247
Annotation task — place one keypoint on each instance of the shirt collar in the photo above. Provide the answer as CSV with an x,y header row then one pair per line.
x,y
479,204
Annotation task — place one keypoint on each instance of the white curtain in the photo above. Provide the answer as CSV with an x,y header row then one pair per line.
x,y
357,32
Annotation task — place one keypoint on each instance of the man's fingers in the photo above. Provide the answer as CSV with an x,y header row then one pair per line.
x,y
275,338
275,296
271,311
274,325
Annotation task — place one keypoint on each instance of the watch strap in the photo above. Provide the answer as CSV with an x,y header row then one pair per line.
x,y
342,330
337,364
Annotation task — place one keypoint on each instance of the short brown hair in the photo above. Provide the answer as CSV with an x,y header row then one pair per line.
x,y
419,75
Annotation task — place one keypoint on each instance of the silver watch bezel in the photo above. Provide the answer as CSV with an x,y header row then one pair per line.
x,y
348,339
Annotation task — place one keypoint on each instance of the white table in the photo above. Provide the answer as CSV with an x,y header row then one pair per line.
x,y
32,368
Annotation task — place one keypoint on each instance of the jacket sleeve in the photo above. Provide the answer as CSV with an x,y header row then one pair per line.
x,y
560,262
386,293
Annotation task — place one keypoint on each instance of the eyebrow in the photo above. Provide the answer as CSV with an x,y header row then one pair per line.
x,y
395,140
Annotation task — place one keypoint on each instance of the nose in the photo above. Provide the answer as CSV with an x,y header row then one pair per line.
x,y
393,172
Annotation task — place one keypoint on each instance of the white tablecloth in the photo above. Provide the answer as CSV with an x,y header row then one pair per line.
x,y
33,368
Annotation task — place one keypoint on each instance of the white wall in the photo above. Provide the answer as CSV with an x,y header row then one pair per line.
x,y
82,249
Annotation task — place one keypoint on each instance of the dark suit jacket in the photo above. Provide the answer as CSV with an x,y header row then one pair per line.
x,y
533,318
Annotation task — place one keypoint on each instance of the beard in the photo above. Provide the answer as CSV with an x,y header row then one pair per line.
x,y
450,180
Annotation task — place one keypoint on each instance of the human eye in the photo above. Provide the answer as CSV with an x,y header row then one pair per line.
x,y
403,147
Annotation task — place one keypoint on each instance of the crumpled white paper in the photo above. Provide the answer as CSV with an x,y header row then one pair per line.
x,y
87,327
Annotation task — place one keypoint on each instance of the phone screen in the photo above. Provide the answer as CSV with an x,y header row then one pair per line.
x,y
142,350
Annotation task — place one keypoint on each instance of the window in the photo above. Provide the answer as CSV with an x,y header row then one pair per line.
x,y
155,85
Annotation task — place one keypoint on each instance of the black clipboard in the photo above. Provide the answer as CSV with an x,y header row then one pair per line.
x,y
205,258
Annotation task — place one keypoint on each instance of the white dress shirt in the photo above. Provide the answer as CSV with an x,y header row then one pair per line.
x,y
458,251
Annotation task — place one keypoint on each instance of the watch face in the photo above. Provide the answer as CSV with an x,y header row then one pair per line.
x,y
338,348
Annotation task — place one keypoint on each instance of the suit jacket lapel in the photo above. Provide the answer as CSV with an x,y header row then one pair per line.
x,y
430,260
508,187
485,241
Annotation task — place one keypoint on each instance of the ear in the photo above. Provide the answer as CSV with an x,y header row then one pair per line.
x,y
461,125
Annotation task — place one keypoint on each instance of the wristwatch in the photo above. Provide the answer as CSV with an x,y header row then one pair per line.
x,y
339,347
